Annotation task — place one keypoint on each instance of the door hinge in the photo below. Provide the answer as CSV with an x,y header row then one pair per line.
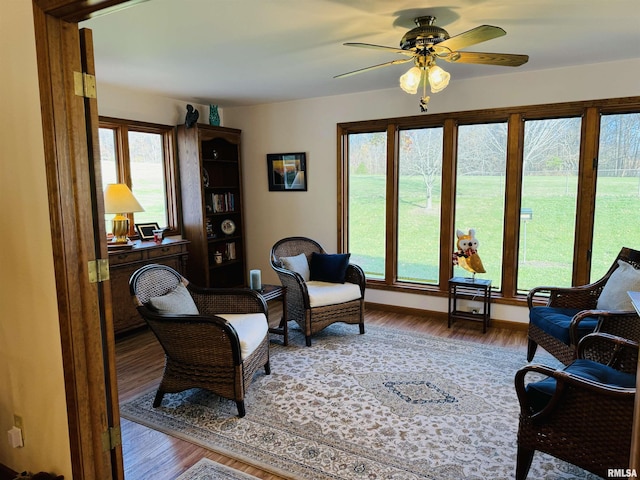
x,y
84,85
98,270
111,439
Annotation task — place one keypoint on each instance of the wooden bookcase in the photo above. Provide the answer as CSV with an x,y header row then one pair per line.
x,y
211,192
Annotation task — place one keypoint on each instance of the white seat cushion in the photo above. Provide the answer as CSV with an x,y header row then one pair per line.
x,y
250,327
324,293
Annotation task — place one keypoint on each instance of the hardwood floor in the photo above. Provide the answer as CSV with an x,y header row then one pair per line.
x,y
149,454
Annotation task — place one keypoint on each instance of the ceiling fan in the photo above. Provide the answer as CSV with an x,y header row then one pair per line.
x,y
426,43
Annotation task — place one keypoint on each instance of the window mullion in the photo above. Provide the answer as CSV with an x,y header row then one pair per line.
x,y
586,201
391,241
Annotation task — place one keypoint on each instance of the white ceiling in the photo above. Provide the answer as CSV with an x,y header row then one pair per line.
x,y
245,52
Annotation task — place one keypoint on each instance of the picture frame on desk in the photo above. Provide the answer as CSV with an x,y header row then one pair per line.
x,y
145,230
287,172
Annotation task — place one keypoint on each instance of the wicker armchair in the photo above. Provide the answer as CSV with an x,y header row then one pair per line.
x,y
582,414
300,305
571,313
203,349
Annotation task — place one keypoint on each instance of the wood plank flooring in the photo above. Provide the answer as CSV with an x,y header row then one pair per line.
x,y
149,454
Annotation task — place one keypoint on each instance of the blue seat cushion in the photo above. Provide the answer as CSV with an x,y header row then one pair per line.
x,y
539,393
555,322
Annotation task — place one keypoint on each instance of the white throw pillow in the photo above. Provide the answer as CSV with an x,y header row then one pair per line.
x,y
298,264
614,296
177,301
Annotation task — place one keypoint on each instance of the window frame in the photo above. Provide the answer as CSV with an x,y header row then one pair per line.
x,y
515,117
121,129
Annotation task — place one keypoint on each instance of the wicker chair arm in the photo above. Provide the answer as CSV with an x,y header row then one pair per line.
x,y
355,274
170,330
296,287
583,297
614,351
212,301
570,390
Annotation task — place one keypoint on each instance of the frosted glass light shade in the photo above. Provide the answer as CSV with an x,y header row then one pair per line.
x,y
410,81
438,79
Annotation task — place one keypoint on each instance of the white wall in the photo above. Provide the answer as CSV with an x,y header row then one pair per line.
x,y
310,126
31,372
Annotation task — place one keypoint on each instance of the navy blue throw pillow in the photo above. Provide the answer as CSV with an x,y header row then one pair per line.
x,y
329,267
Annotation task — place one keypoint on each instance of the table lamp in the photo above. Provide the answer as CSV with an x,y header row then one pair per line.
x,y
119,200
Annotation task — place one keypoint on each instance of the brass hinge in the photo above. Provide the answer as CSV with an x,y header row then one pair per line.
x,y
111,439
98,270
84,85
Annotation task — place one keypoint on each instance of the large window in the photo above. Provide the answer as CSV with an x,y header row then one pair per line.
x,y
551,190
420,170
367,193
480,190
549,196
142,156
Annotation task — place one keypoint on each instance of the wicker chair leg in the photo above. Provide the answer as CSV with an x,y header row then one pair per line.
x,y
308,340
531,350
158,400
267,368
362,329
523,462
241,410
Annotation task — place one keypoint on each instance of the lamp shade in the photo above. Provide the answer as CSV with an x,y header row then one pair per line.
x,y
118,198
410,81
438,78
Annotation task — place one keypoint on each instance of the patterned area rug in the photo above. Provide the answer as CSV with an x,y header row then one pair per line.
x,y
207,469
384,405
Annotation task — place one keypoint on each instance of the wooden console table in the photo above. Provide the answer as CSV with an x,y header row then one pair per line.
x,y
122,264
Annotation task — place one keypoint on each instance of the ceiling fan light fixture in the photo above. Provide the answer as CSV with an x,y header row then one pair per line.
x,y
438,78
410,81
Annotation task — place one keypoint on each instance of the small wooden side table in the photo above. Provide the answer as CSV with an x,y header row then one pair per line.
x,y
278,292
470,289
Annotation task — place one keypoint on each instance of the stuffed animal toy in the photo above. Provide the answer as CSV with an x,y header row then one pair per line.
x,y
467,254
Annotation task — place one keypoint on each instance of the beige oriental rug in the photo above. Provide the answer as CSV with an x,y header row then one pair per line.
x,y
384,405
207,469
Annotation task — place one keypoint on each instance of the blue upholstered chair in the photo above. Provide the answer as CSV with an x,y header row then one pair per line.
x,y
571,313
583,413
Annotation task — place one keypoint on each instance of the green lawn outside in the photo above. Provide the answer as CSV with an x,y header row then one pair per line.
x,y
549,235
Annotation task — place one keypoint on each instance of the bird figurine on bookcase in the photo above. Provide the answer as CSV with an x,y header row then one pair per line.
x,y
467,254
192,116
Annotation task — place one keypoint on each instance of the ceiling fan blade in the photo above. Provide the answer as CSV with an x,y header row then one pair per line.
x,y
380,47
503,59
470,37
366,69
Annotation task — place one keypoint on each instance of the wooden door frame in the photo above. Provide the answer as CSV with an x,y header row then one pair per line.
x,y
70,125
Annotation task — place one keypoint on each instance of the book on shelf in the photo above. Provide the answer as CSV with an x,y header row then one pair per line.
x,y
223,202
231,251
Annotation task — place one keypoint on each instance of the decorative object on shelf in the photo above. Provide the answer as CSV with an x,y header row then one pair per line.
x,y
214,154
217,258
145,230
205,177
255,280
214,116
231,251
192,116
119,200
228,226
467,254
427,42
287,172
